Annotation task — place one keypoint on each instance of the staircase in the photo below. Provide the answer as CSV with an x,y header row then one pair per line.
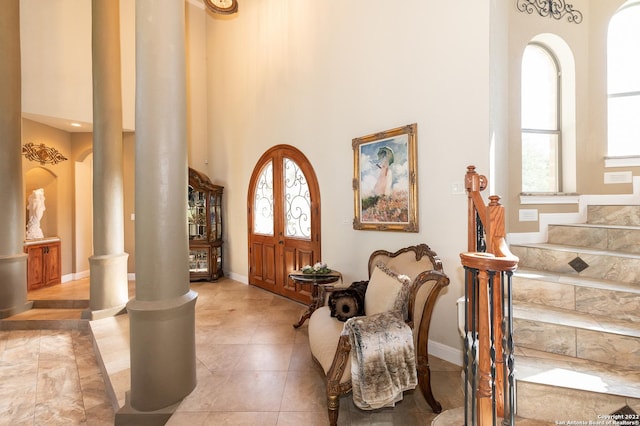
x,y
576,316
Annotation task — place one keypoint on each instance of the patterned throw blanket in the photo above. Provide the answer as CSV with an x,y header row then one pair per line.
x,y
383,361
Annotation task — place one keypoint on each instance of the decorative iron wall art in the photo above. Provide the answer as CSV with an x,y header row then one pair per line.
x,y
42,154
556,9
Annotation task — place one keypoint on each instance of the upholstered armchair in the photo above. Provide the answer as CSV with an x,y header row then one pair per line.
x,y
419,268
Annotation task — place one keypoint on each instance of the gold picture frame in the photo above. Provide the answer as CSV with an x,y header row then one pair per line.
x,y
385,183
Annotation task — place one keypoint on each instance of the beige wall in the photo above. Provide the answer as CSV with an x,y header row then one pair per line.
x,y
197,87
128,171
587,42
56,59
82,156
313,75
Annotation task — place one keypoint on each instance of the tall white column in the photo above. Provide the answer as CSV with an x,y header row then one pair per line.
x,y
13,261
162,314
108,265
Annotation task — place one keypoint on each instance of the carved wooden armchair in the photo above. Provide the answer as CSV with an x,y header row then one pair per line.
x,y
331,349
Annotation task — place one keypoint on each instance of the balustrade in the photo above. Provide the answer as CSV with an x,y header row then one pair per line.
x,y
488,330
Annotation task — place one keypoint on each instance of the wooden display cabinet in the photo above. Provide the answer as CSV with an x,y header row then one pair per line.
x,y
44,263
204,217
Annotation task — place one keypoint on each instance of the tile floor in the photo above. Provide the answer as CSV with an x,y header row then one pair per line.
x,y
51,377
253,368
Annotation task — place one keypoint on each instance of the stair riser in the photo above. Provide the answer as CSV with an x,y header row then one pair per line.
x,y
614,215
614,304
550,403
541,392
544,293
622,240
611,268
584,344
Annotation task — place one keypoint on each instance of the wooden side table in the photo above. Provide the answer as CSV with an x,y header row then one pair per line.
x,y
318,290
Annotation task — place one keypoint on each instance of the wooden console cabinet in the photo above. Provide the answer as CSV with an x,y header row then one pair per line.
x,y
43,263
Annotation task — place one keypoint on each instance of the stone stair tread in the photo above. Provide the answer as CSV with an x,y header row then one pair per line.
x,y
60,303
558,316
578,250
597,225
576,280
572,373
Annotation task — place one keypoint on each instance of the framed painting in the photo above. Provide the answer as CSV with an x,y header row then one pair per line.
x,y
385,180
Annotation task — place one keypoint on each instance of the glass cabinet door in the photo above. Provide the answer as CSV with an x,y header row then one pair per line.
x,y
216,216
197,215
199,260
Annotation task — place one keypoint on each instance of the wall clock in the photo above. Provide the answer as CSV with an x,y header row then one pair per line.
x,y
224,7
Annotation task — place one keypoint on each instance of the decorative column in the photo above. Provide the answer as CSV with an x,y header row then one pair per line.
x,y
108,292
13,261
162,314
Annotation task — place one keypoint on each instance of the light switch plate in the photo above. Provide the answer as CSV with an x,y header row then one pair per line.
x,y
528,215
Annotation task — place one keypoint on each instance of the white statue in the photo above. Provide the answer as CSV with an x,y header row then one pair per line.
x,y
36,210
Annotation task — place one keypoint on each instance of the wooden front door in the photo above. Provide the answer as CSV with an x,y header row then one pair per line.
x,y
283,207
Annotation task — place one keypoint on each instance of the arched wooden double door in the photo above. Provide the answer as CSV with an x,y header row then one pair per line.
x,y
283,206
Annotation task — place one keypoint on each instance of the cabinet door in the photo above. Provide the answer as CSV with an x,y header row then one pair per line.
x,y
35,267
52,264
200,262
197,214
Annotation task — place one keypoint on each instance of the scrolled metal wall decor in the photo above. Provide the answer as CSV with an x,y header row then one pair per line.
x,y
556,9
42,154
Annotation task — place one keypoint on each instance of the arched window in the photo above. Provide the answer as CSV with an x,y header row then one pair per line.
x,y
541,121
623,81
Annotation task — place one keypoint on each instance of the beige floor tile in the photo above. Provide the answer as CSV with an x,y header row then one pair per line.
x,y
307,418
251,391
218,356
265,357
207,390
304,392
253,368
274,333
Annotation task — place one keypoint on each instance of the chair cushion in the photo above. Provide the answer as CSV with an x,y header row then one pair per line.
x,y
349,302
387,291
324,333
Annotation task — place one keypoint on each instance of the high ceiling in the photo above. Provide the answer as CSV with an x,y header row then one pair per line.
x,y
60,123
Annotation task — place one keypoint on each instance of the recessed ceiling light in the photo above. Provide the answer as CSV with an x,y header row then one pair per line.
x,y
76,125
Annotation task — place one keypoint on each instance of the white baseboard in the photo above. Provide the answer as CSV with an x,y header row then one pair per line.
x,y
447,353
74,276
237,277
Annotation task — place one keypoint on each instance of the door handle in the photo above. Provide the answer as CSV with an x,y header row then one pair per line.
x,y
280,242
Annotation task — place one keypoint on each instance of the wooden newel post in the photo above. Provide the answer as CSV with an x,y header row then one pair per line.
x,y
485,394
489,391
495,240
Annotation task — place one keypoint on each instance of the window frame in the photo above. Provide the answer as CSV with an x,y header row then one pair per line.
x,y
557,132
619,94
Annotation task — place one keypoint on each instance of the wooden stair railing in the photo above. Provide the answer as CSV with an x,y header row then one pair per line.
x,y
489,265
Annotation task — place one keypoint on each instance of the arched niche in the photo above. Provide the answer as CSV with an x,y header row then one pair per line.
x,y
41,177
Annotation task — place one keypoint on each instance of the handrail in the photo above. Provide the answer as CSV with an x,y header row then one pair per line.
x,y
491,216
489,265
